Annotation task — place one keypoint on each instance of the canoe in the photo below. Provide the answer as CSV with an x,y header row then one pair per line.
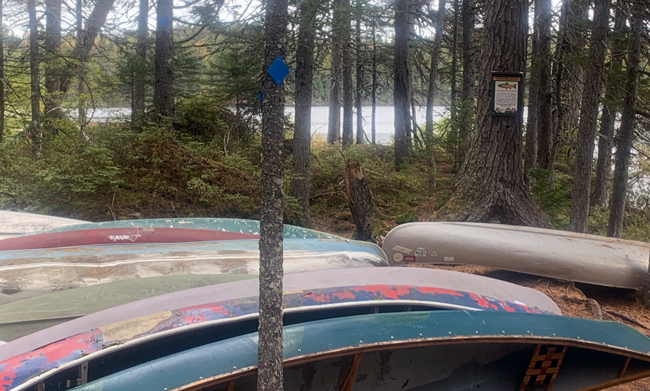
x,y
422,350
29,273
18,223
120,301
151,231
215,224
103,236
557,254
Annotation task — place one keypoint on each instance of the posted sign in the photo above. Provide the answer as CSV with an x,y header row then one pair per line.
x,y
507,96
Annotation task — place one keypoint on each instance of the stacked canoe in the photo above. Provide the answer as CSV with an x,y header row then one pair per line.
x,y
173,304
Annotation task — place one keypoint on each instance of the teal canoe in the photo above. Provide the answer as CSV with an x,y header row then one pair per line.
x,y
425,350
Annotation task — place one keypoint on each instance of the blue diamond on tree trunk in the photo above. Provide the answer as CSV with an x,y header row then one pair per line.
x,y
278,70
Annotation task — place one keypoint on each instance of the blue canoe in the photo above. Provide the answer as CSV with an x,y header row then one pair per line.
x,y
424,350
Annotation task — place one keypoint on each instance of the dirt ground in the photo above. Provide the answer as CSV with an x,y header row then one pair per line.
x,y
579,300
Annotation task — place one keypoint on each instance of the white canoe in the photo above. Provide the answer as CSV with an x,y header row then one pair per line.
x,y
18,223
557,254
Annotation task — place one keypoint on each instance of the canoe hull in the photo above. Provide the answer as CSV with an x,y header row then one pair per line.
x,y
29,273
557,254
442,350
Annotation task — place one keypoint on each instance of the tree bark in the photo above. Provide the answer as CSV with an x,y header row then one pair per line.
x,y
35,131
432,88
2,75
82,83
302,130
373,126
453,107
570,72
137,115
402,95
359,75
269,366
346,59
52,45
544,126
600,197
82,48
468,89
334,121
359,199
490,185
626,132
164,62
588,118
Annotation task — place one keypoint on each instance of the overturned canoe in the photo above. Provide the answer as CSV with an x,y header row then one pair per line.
x,y
381,286
235,307
423,350
18,223
243,226
28,273
557,254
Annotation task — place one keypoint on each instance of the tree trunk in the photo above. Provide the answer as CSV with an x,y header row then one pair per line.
x,y
532,146
544,126
348,131
626,132
373,126
35,131
402,95
80,52
467,94
359,199
137,115
334,122
453,87
600,197
570,72
269,364
52,47
164,63
432,88
2,75
588,118
490,185
82,83
302,130
359,84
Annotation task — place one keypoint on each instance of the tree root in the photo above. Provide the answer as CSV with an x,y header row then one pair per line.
x,y
626,318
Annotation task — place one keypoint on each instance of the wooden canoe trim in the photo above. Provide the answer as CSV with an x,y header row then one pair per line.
x,y
347,384
624,369
547,371
83,374
214,380
616,382
231,385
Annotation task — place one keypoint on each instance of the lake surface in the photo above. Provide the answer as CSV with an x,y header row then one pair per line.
x,y
319,119
384,120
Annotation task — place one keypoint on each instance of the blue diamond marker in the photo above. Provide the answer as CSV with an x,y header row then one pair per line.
x,y
278,70
261,97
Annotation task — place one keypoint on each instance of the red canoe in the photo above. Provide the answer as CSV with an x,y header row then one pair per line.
x,y
119,236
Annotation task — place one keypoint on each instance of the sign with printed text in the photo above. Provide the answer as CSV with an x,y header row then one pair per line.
x,y
507,96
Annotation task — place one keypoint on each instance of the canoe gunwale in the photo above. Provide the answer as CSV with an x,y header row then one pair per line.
x,y
419,343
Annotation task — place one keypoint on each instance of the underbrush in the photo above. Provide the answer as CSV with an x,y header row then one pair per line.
x,y
113,172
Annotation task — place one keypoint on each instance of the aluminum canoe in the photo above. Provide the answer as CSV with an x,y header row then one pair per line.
x,y
18,223
424,350
557,254
379,286
28,273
